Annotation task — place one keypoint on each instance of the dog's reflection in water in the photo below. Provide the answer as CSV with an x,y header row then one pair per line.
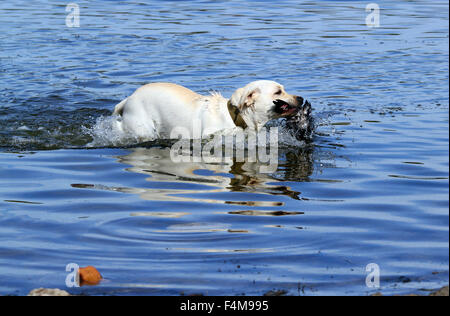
x,y
233,176
197,178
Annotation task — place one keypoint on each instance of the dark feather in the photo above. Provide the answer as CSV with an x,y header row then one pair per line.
x,y
301,125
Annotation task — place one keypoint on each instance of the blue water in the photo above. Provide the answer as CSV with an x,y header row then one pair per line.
x,y
371,188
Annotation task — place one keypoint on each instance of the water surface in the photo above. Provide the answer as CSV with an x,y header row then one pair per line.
x,y
371,188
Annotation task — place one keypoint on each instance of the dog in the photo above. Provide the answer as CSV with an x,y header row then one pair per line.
x,y
155,109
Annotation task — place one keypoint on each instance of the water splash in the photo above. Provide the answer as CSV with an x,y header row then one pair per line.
x,y
44,129
107,133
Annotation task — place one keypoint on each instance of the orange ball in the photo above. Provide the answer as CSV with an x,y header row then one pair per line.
x,y
89,276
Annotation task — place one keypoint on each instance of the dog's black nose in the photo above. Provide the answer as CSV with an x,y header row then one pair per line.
x,y
300,101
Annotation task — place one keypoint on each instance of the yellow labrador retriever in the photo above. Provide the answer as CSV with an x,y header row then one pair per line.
x,y
154,110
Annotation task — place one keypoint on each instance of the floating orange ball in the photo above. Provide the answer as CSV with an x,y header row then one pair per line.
x,y
89,276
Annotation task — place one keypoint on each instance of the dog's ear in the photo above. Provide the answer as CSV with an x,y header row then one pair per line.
x,y
243,99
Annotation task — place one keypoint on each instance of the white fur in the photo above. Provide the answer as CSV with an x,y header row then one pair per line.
x,y
154,110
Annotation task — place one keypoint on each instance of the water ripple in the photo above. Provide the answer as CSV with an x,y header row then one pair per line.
x,y
371,187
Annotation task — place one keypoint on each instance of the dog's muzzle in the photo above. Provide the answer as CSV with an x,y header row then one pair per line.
x,y
286,109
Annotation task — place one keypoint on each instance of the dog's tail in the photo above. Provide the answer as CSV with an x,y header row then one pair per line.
x,y
118,110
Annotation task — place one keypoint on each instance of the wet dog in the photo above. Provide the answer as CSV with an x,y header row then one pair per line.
x,y
154,110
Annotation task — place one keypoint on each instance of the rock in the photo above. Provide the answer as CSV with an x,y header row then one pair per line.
x,y
441,292
48,292
276,293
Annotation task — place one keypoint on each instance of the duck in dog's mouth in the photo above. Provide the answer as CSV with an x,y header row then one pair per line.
x,y
301,124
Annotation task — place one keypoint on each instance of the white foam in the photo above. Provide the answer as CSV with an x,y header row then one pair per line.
x,y
286,139
107,132
24,128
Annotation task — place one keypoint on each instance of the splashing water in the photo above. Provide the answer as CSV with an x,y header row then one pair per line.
x,y
106,132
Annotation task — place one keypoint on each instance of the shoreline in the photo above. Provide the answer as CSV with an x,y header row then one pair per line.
x,y
444,291
441,292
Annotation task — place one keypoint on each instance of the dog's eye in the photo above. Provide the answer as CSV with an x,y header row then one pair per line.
x,y
278,92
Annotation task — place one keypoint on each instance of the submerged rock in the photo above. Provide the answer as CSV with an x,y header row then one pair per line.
x,y
48,292
441,292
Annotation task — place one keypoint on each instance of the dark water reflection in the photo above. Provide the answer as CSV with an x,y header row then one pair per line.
x,y
188,181
372,187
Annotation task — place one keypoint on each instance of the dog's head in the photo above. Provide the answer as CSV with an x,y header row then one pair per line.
x,y
262,101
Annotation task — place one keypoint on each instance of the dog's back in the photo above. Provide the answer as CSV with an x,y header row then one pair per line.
x,y
156,109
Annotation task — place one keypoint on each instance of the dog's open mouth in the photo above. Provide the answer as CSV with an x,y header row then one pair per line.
x,y
285,109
